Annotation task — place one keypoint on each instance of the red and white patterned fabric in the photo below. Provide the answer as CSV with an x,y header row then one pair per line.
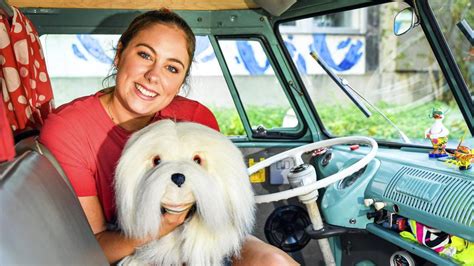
x,y
7,150
26,88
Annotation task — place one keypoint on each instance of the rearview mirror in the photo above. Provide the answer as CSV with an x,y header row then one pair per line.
x,y
403,21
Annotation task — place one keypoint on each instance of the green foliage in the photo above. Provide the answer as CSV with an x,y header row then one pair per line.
x,y
348,120
229,121
269,117
412,121
231,125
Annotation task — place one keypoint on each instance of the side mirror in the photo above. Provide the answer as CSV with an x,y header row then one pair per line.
x,y
404,21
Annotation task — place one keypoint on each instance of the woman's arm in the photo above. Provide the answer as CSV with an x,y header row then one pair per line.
x,y
114,244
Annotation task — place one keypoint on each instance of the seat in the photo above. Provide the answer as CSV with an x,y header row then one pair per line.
x,y
31,143
42,221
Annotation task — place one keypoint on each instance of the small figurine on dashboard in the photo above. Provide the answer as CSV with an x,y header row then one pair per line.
x,y
463,156
438,134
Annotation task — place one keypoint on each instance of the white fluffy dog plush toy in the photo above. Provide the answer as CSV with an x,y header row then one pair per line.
x,y
172,167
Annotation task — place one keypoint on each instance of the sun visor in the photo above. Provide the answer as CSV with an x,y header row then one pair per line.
x,y
275,7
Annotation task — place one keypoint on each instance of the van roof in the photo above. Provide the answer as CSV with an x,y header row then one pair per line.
x,y
138,4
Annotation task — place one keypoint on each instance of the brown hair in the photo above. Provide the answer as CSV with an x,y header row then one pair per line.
x,y
160,16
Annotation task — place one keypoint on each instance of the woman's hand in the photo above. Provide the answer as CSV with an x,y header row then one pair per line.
x,y
114,244
169,222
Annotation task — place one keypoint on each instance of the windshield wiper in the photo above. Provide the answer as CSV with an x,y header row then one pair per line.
x,y
345,87
343,84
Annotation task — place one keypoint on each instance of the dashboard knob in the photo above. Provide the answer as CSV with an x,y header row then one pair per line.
x,y
369,202
379,205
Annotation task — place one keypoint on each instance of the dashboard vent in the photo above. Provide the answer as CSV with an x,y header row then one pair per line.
x,y
449,197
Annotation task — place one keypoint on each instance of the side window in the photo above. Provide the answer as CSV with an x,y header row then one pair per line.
x,y
78,64
206,84
398,75
259,89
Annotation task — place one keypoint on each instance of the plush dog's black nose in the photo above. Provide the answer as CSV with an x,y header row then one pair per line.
x,y
178,179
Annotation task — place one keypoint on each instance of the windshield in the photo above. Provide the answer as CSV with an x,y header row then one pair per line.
x,y
448,14
397,74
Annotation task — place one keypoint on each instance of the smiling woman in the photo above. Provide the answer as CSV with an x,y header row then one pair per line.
x,y
152,60
151,70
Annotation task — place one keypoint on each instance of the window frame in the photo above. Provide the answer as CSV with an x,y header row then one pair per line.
x,y
275,133
306,25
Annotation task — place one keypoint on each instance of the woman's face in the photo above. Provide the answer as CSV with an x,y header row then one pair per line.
x,y
151,70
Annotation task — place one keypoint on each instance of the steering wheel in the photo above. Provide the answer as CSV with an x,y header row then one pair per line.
x,y
296,154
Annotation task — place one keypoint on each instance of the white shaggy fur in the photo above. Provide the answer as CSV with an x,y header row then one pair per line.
x,y
220,187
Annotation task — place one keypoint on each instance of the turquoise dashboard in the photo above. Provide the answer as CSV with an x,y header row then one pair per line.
x,y
401,183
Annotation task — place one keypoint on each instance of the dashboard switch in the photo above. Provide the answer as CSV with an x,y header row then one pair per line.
x,y
379,205
369,202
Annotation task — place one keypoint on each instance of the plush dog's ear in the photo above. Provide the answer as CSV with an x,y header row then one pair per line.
x,y
225,162
126,189
241,196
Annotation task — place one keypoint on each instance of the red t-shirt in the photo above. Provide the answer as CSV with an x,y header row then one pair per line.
x,y
88,145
